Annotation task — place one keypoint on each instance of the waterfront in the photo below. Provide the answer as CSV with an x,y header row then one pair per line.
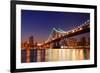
x,y
46,55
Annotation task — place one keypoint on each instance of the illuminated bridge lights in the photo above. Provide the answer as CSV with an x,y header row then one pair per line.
x,y
60,33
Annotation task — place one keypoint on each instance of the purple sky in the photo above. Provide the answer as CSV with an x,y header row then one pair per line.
x,y
40,23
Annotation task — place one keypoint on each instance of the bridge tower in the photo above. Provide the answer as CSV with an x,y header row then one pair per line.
x,y
55,35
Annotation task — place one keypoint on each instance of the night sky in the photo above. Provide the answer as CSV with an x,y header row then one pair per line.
x,y
40,23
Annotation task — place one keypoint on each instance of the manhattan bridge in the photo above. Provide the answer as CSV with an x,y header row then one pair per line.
x,y
58,36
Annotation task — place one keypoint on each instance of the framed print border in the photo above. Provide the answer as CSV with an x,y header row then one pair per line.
x,y
13,35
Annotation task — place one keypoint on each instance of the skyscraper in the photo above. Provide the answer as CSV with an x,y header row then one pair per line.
x,y
31,41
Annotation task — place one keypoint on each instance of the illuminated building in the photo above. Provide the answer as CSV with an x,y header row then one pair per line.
x,y
72,42
31,41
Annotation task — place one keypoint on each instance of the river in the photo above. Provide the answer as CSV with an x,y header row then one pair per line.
x,y
46,55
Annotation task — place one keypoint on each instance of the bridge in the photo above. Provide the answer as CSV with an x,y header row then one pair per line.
x,y
57,35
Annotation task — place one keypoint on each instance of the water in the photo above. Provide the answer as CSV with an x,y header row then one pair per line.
x,y
46,55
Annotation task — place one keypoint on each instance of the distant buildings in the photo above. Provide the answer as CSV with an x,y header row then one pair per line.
x,y
24,45
72,42
68,43
31,42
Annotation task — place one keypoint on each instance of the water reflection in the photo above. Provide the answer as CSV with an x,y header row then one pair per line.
x,y
45,55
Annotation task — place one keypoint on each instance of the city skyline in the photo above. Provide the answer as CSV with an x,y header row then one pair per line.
x,y
40,23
